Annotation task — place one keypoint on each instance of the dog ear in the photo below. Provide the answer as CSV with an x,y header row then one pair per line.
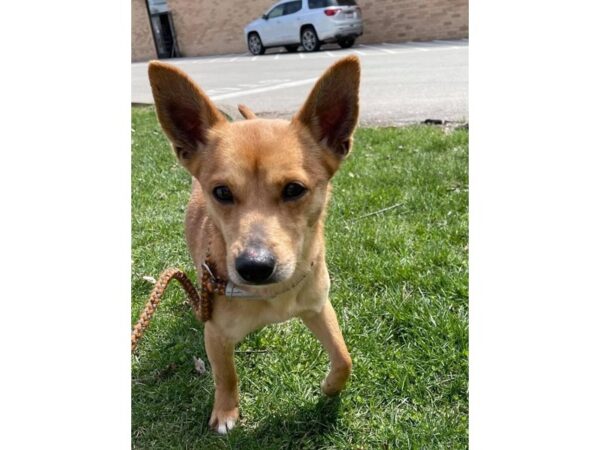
x,y
331,109
184,111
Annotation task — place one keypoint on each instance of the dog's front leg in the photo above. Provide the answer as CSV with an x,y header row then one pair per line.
x,y
219,349
324,326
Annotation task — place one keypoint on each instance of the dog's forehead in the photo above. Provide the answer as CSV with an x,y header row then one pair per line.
x,y
254,143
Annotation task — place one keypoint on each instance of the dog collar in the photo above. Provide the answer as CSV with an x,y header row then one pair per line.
x,y
212,284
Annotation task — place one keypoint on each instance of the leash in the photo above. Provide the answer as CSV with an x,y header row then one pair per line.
x,y
201,302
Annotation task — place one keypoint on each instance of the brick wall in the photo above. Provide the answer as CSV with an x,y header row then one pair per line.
x,y
207,27
414,20
142,42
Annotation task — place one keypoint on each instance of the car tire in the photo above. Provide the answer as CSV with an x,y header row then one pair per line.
x,y
291,48
255,44
309,39
346,43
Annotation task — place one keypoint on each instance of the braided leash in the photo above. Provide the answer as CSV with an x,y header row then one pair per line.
x,y
202,303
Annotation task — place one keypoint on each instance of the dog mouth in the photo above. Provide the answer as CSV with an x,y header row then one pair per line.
x,y
259,277
247,281
277,284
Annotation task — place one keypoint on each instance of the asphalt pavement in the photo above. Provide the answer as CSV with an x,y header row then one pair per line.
x,y
401,83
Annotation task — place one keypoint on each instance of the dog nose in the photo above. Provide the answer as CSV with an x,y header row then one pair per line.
x,y
255,265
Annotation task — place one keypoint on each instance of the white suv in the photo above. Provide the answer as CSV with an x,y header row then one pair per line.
x,y
309,23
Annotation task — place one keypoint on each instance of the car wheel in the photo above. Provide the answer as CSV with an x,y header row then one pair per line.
x,y
255,44
291,48
346,43
309,39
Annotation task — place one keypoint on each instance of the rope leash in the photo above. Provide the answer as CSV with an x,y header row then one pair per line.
x,y
202,303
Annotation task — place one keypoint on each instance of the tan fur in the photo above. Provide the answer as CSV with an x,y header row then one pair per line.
x,y
246,112
256,159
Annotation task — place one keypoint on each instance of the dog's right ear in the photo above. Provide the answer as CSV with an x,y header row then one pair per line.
x,y
185,113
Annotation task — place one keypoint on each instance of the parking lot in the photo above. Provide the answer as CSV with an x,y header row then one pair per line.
x,y
401,83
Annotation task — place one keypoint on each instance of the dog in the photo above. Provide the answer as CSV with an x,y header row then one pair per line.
x,y
260,189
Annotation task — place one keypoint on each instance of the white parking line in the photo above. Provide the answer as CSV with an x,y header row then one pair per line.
x,y
264,89
274,81
416,45
401,48
385,50
223,90
224,57
361,49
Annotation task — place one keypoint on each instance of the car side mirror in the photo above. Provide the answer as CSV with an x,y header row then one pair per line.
x,y
265,17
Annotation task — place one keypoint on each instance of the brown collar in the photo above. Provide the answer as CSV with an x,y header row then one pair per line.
x,y
212,285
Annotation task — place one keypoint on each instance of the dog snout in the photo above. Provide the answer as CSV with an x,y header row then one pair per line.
x,y
255,265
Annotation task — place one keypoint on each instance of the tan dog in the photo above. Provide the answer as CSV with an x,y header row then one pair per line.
x,y
259,196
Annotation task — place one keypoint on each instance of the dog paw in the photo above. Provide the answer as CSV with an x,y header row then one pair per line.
x,y
223,421
336,380
330,389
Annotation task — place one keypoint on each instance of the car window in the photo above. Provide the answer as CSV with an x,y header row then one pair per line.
x,y
293,7
312,4
276,12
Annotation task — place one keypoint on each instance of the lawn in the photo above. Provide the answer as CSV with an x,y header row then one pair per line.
x,y
399,286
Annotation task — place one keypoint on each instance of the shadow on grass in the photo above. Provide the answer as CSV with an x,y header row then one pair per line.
x,y
305,427
164,378
181,400
181,404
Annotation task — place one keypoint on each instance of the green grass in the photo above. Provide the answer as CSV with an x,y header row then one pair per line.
x,y
399,286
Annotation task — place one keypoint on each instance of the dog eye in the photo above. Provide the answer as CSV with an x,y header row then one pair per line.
x,y
223,194
293,191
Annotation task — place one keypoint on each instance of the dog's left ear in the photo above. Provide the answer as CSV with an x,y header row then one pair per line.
x,y
331,110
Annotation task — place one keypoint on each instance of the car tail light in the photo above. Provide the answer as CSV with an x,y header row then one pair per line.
x,y
332,12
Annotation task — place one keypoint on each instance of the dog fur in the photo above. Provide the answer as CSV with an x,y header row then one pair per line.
x,y
256,159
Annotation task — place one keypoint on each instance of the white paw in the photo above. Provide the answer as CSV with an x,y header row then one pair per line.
x,y
224,421
223,428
